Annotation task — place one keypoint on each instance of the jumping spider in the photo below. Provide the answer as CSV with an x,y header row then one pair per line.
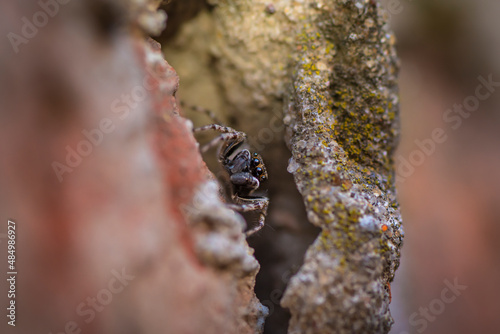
x,y
246,170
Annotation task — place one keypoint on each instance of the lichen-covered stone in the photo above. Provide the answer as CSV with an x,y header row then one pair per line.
x,y
341,117
330,65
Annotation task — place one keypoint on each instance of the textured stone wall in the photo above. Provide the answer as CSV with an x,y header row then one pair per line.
x,y
341,118
330,68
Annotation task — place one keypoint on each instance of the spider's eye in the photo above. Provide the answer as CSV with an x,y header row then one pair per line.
x,y
255,162
263,178
255,154
258,171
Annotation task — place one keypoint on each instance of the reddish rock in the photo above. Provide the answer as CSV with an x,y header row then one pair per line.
x,y
110,239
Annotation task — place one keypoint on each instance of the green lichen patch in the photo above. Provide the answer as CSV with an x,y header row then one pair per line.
x,y
363,126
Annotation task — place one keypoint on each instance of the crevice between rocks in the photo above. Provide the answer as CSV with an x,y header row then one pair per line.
x,y
281,245
338,95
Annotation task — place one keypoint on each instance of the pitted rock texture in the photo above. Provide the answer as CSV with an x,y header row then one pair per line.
x,y
341,117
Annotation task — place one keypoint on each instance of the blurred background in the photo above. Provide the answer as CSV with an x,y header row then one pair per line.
x,y
450,202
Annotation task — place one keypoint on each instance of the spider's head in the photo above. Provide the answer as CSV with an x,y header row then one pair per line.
x,y
257,167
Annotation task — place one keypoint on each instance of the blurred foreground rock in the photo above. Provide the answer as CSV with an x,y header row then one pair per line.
x,y
120,228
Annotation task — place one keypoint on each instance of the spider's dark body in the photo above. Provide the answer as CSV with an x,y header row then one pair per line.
x,y
246,171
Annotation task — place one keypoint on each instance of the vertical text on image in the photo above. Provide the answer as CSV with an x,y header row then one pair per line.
x,y
11,272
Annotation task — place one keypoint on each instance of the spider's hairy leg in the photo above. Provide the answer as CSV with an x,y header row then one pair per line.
x,y
252,204
230,137
215,127
202,110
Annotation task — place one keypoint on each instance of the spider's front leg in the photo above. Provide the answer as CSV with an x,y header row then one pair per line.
x,y
229,137
252,204
202,110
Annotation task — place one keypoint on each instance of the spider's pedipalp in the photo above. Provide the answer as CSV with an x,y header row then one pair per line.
x,y
244,183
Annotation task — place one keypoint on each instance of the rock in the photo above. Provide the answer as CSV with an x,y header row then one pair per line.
x,y
341,117
331,67
102,177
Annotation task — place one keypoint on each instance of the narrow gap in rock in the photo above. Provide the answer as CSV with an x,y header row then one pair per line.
x,y
281,245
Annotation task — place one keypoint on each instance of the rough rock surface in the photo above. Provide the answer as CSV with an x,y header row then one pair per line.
x,y
334,66
342,129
